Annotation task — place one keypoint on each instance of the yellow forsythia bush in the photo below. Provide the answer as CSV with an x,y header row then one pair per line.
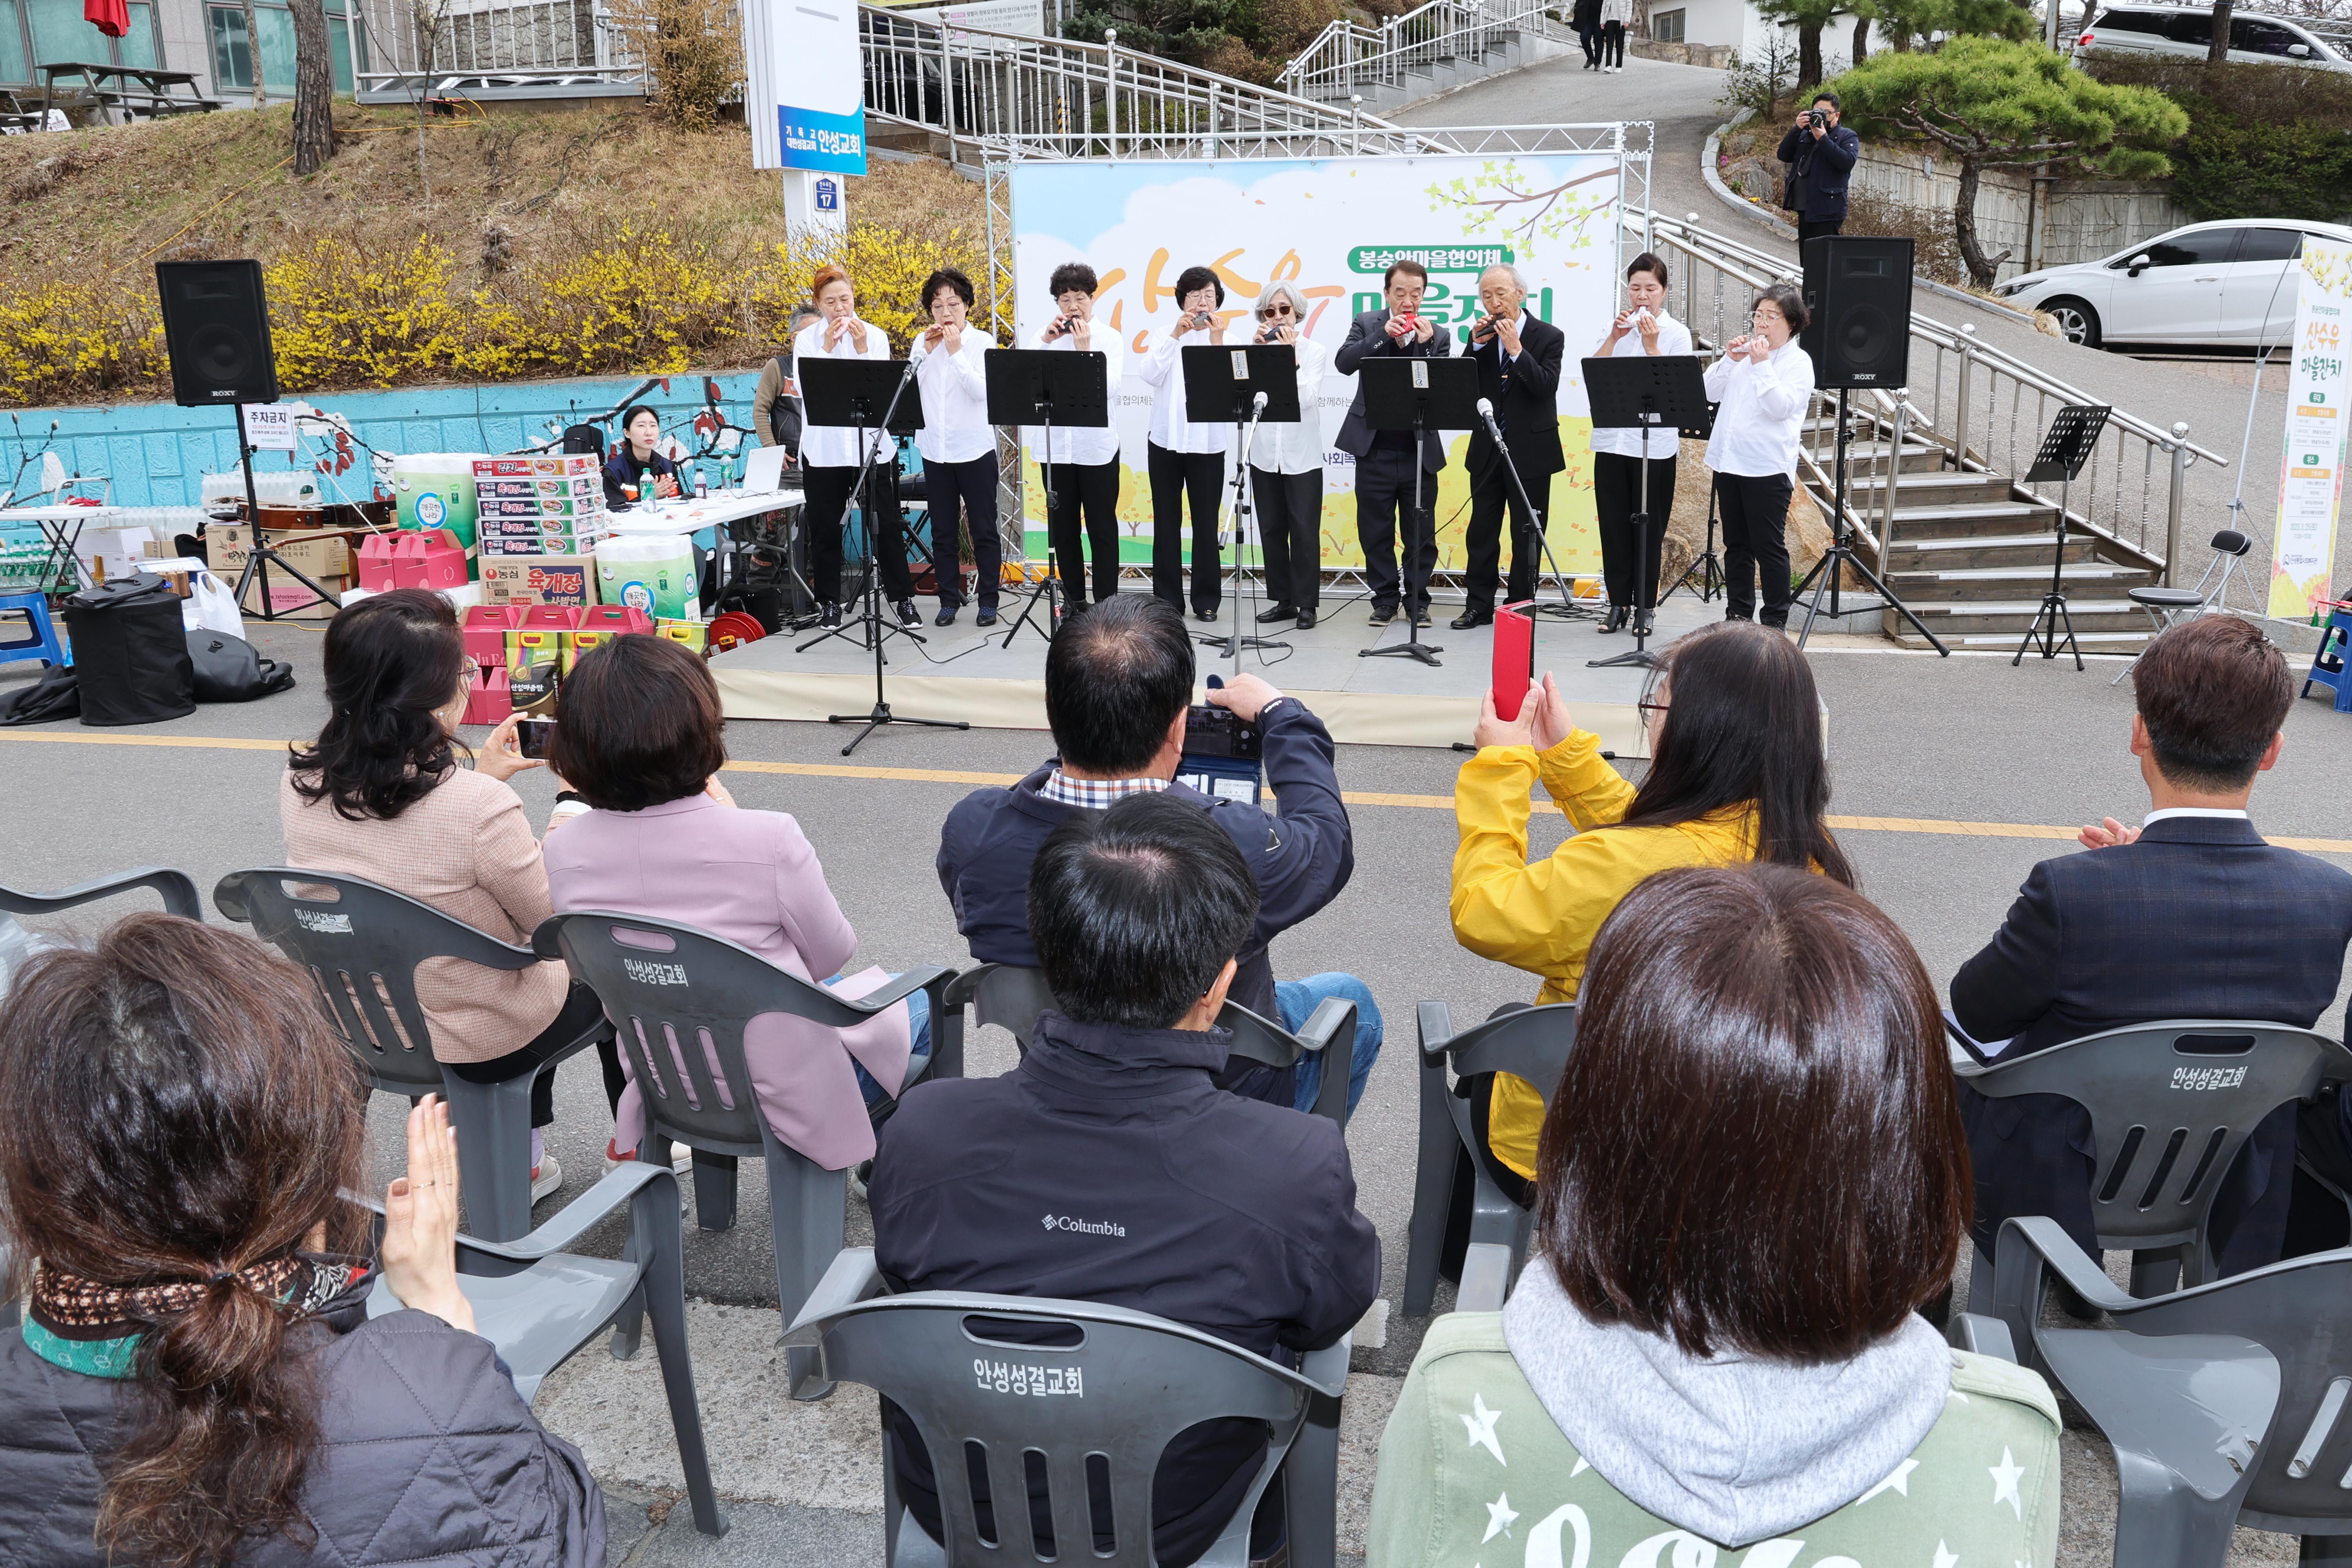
x,y
632,302
888,266
63,338
339,316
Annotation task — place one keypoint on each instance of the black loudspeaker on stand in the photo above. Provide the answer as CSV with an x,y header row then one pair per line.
x,y
1858,333
2066,448
216,331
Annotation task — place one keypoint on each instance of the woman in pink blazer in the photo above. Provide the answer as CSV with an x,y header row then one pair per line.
x,y
638,742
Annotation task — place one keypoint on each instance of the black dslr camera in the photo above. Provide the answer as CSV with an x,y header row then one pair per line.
x,y
1816,118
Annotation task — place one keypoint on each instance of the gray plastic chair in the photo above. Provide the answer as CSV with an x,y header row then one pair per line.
x,y
541,1305
671,983
177,888
362,942
2225,1402
1011,998
1533,1044
2171,1103
1131,1383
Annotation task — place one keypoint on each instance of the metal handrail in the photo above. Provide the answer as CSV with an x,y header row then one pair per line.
x,y
1061,98
1971,401
470,39
1347,55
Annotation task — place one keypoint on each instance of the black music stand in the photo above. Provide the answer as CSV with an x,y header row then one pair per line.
x,y
1419,396
2066,448
1225,383
868,395
1047,387
1653,394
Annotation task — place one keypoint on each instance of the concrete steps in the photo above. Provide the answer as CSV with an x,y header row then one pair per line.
x,y
1516,49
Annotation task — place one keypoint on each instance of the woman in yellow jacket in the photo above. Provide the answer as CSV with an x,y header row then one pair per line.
x,y
1737,773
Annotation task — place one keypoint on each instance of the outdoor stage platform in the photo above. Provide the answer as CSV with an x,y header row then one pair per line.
x,y
958,673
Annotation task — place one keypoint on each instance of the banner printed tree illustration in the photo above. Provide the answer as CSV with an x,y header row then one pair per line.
x,y
1497,204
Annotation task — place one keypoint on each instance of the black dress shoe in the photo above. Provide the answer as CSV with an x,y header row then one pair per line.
x,y
945,618
1383,613
987,617
1420,618
1306,620
1614,621
831,616
1208,615
1279,613
908,614
1471,618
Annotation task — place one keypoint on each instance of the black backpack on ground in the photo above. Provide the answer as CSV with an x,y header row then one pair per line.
x,y
131,652
231,670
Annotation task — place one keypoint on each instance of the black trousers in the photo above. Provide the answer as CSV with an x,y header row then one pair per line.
x,y
581,1012
1806,231
973,484
1175,477
1754,514
1589,34
1384,497
1617,493
1290,533
826,493
1491,496
1093,487
1612,43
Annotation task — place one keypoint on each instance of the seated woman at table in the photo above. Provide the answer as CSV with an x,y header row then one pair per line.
x,y
639,742
634,458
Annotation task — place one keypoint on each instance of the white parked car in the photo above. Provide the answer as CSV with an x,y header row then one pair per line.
x,y
2187,30
2231,283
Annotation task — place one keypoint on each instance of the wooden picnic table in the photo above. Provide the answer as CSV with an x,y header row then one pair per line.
x,y
152,94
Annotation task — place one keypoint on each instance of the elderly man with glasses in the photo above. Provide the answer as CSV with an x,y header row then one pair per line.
x,y
1286,469
1518,357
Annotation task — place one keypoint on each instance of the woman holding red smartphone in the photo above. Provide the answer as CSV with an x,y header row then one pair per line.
x,y
1187,459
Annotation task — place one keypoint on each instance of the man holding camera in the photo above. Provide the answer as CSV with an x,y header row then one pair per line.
x,y
1820,154
1118,687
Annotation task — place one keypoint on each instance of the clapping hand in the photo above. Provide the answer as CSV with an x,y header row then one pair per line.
x,y
420,1221
2107,833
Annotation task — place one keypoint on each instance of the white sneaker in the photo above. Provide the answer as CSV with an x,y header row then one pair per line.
x,y
545,1177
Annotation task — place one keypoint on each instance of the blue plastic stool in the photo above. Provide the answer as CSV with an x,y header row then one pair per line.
x,y
2327,666
26,631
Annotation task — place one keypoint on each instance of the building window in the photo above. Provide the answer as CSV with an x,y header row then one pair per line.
x,y
34,33
233,51
1666,26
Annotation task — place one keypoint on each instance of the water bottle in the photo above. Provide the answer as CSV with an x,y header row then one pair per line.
x,y
701,483
650,485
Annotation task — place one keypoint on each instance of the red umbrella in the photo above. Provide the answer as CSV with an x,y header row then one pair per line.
x,y
112,17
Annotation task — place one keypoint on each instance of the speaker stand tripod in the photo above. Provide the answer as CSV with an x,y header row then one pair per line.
x,y
257,564
1703,576
2073,431
1827,570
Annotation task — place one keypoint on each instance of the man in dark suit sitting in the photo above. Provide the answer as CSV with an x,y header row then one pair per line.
x,y
1386,477
1518,358
2188,915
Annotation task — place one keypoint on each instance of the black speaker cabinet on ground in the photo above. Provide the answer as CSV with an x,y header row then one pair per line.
x,y
1858,287
216,327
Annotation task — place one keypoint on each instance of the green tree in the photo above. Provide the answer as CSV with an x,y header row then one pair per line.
x,y
1808,17
1903,23
1998,104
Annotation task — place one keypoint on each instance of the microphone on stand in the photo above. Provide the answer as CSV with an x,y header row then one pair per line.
x,y
1486,413
1257,405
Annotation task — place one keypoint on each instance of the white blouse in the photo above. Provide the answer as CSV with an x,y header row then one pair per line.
x,y
1163,370
835,445
954,388
1296,446
1089,445
1673,338
1761,413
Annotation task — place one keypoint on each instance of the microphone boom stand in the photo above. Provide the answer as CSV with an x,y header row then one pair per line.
x,y
1425,526
1568,609
1050,589
1643,615
1243,513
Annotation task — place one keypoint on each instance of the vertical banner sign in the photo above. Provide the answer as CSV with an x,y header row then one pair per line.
x,y
804,85
1329,227
2311,478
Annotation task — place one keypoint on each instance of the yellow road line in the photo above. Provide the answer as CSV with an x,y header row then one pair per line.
x,y
1925,824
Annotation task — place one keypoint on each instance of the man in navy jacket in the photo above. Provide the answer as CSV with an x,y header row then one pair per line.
x,y
1118,679
2190,916
1396,488
1821,160
1158,1191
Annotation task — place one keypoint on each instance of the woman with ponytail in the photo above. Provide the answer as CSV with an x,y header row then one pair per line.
x,y
197,1381
379,794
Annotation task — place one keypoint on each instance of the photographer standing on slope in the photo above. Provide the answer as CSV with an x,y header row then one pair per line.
x,y
1820,154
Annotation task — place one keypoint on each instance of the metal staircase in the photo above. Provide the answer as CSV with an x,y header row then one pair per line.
x,y
1432,49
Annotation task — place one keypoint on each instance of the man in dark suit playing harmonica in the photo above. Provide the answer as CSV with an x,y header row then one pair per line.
x,y
1518,360
1385,473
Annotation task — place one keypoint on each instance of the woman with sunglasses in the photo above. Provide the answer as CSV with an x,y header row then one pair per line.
x,y
380,795
1736,774
1286,469
1763,385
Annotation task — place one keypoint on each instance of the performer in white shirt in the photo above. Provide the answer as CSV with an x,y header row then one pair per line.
x,y
1186,460
1643,328
832,463
1085,461
1763,386
958,444
1286,469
